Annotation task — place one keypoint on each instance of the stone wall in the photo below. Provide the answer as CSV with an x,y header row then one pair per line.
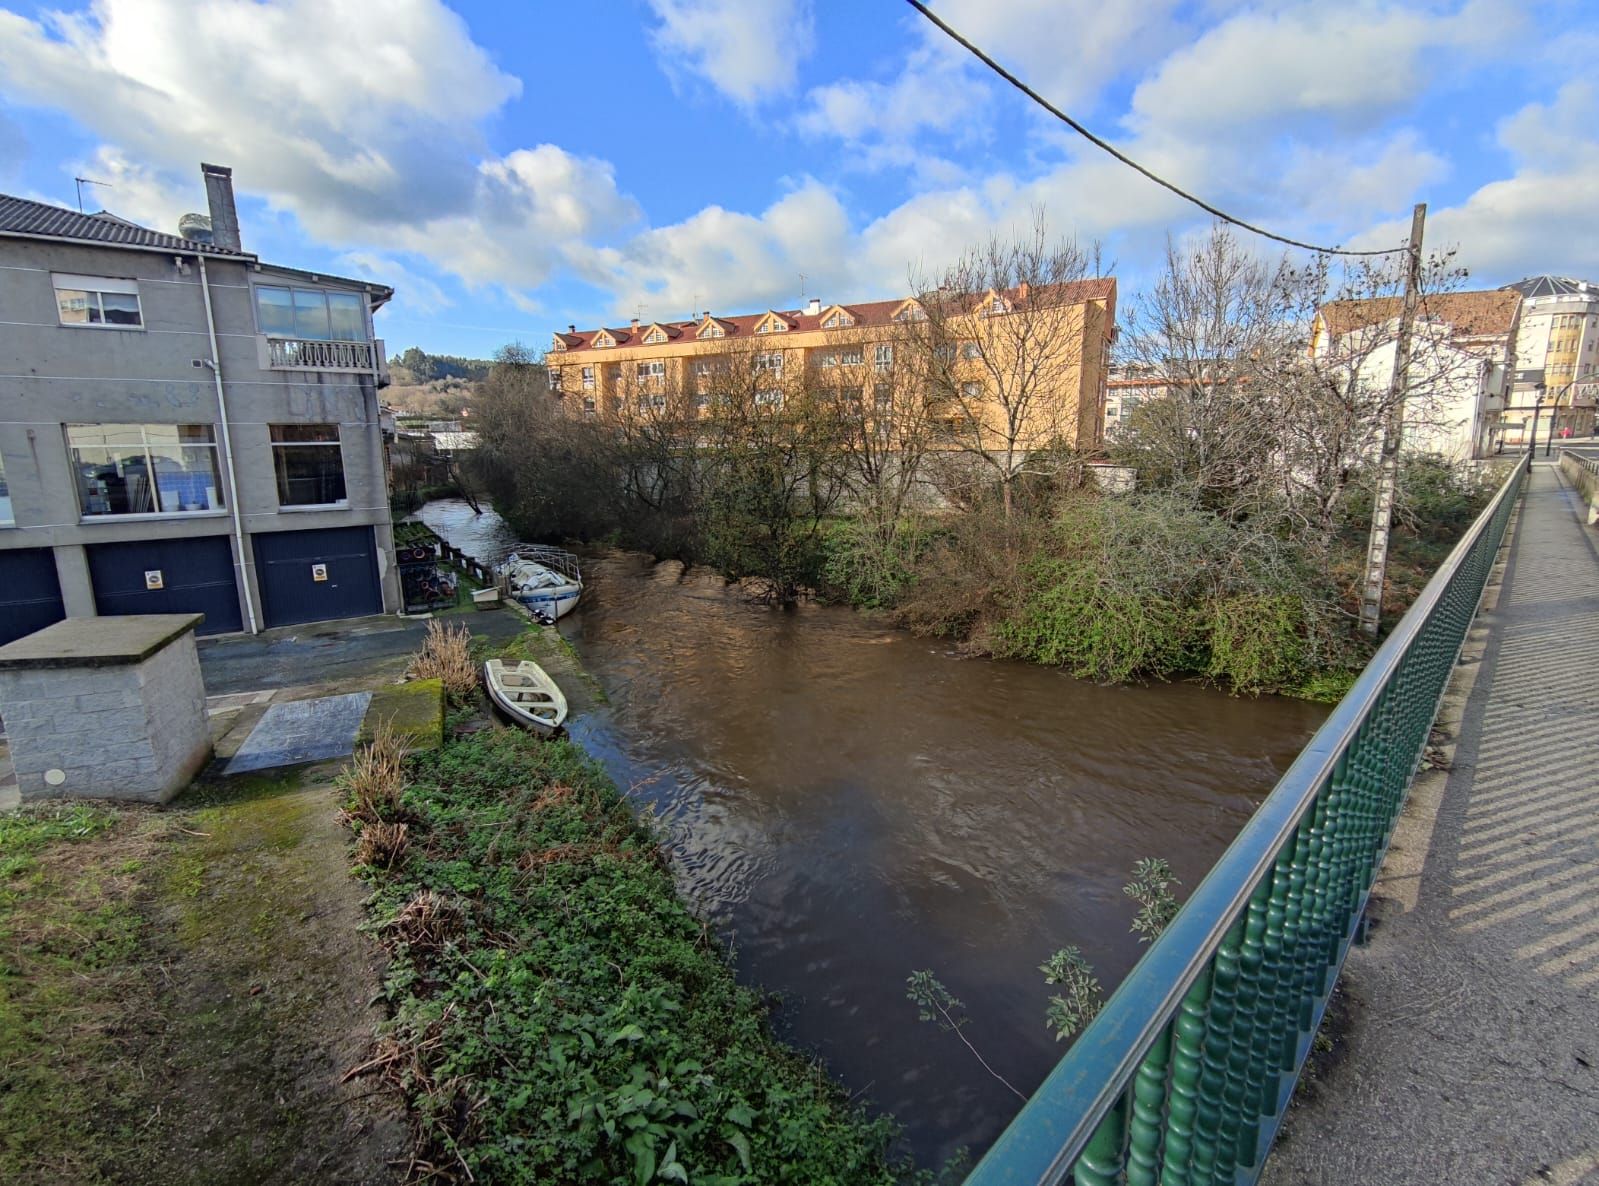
x,y
128,731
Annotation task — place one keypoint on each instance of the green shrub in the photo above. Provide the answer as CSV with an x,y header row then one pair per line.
x,y
561,1016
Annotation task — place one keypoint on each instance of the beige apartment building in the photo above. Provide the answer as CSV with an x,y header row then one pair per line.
x,y
1557,358
973,358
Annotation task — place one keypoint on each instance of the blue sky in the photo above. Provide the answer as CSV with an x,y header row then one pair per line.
x,y
511,169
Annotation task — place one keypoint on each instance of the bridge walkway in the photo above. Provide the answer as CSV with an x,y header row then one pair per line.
x,y
1471,1053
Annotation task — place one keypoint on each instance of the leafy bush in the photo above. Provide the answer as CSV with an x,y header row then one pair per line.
x,y
573,1022
870,566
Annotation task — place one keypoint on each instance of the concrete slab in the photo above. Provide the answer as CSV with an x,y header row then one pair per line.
x,y
302,731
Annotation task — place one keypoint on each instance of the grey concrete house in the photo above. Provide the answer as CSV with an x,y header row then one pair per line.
x,y
184,427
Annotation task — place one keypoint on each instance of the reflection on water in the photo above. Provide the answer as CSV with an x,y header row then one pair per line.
x,y
848,804
485,537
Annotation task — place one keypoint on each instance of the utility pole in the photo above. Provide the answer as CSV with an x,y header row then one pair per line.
x,y
1382,505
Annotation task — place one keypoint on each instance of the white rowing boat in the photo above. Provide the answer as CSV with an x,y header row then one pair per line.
x,y
526,693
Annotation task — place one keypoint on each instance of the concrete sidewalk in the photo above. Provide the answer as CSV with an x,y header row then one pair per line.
x,y
1472,1054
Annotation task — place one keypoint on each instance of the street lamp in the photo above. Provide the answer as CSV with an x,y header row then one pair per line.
x,y
1532,440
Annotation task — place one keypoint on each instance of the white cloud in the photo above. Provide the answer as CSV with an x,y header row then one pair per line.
x,y
1539,219
732,262
413,292
748,51
933,91
1351,62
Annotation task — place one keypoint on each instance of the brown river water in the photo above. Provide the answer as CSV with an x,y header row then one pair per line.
x,y
847,803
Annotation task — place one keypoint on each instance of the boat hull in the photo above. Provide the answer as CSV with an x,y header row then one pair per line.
x,y
526,694
554,602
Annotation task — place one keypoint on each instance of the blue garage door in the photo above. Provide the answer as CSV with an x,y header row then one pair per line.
x,y
30,594
190,576
311,576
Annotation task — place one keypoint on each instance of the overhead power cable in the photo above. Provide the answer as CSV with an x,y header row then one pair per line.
x,y
1121,156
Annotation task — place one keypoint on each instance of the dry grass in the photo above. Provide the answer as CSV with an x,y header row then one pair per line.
x,y
446,656
427,922
381,845
375,778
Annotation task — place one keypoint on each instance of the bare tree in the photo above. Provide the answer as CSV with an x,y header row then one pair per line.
x,y
1003,341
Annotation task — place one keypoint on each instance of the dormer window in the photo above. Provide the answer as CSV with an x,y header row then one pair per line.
x,y
558,343
603,340
910,311
838,320
772,324
655,337
712,329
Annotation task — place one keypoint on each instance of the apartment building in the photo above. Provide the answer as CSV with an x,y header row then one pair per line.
x,y
184,427
859,349
1461,363
1557,357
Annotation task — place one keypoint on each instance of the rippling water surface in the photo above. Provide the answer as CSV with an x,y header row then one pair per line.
x,y
849,803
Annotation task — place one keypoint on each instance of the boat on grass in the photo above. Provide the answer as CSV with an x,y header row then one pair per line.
x,y
526,693
547,580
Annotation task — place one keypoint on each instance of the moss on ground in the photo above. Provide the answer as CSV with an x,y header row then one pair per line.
x,y
414,710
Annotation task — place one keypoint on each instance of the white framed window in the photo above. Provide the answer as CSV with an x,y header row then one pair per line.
x,y
850,358
7,519
309,465
772,325
882,395
883,357
588,405
655,337
145,469
911,313
588,377
702,401
971,350
603,341
770,398
827,359
712,330
652,369
971,390
768,362
838,320
312,314
555,379
99,302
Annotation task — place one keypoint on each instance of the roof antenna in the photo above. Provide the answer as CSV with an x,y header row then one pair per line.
x,y
802,289
83,181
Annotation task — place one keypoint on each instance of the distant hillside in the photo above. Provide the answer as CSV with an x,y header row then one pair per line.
x,y
416,367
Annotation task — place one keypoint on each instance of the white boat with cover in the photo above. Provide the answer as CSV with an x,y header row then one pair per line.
x,y
526,693
546,580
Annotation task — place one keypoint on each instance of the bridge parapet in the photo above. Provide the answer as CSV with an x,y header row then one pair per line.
x,y
1187,1071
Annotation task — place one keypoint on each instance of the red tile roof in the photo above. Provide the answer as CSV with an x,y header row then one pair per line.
x,y
867,313
1485,313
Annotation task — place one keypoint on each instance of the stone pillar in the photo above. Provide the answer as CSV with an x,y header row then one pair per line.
x,y
106,708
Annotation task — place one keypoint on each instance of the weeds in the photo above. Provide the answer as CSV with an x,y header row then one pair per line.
x,y
375,778
446,656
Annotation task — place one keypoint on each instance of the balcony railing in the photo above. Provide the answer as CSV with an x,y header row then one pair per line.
x,y
305,354
1185,1074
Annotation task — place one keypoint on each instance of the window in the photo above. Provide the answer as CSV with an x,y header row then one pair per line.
x,y
838,320
712,330
702,401
971,391
588,377
312,314
6,518
588,405
308,463
603,341
768,362
971,350
883,358
769,398
702,370
911,313
849,358
882,395
555,380
98,301
828,358
655,337
145,469
614,372
655,369
772,325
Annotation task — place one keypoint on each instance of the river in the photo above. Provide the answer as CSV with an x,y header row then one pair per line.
x,y
848,803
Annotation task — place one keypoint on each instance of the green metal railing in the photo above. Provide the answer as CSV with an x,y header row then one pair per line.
x,y
1183,1077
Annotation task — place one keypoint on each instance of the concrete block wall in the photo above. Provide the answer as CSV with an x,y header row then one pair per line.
x,y
130,731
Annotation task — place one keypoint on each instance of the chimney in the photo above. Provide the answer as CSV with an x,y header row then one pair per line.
x,y
571,329
635,325
1021,291
815,307
219,196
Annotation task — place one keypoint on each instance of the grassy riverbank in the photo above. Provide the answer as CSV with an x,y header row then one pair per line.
x,y
558,1012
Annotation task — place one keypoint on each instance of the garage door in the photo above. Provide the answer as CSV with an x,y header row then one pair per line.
x,y
311,576
168,576
30,594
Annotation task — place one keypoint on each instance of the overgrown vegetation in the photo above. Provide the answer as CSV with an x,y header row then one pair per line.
x,y
446,655
558,1013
